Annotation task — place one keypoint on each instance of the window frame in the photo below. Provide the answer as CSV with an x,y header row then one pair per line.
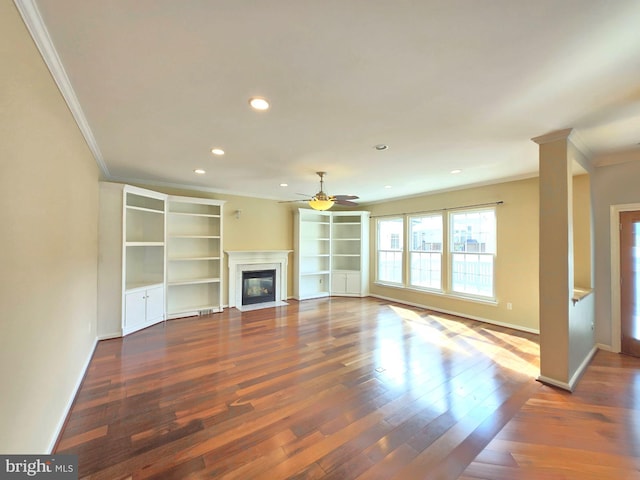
x,y
411,252
491,254
400,250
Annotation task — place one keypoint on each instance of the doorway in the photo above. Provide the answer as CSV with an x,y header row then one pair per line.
x,y
630,283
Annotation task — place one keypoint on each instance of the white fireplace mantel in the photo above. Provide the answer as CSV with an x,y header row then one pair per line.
x,y
251,260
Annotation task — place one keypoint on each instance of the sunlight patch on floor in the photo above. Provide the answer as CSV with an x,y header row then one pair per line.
x,y
500,355
468,340
426,331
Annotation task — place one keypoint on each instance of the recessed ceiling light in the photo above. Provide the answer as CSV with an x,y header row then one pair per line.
x,y
387,186
259,103
457,170
380,147
217,151
199,171
284,184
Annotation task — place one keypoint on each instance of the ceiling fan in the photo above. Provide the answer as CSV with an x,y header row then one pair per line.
x,y
322,201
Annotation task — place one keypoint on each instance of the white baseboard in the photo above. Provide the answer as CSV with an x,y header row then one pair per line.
x,y
606,348
554,383
71,399
573,381
460,314
583,366
108,336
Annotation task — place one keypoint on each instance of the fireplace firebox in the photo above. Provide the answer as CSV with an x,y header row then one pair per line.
x,y
258,286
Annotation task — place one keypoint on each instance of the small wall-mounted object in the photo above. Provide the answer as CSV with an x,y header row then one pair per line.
x,y
238,212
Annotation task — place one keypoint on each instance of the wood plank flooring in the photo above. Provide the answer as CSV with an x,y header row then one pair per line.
x,y
593,433
344,388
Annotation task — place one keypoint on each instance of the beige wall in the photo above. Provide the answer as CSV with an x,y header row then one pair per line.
x,y
516,262
48,247
582,253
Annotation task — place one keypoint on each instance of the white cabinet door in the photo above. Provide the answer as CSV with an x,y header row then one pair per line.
x,y
353,283
155,305
143,308
135,310
346,283
338,284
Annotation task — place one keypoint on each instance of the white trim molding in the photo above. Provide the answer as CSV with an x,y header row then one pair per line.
x,y
33,20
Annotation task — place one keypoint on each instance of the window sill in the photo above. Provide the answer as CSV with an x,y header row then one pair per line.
x,y
580,294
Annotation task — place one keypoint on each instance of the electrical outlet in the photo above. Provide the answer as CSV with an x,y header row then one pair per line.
x,y
509,306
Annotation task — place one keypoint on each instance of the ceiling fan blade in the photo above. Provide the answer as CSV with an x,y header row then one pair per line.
x,y
293,201
345,203
344,197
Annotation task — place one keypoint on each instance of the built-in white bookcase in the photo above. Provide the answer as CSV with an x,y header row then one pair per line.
x,y
331,256
194,256
159,257
131,260
312,254
143,259
350,253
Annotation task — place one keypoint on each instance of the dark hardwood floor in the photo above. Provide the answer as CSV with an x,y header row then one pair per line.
x,y
346,388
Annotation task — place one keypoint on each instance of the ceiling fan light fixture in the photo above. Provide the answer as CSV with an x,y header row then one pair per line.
x,y
321,205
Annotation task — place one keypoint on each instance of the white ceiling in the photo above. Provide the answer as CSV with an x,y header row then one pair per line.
x,y
447,84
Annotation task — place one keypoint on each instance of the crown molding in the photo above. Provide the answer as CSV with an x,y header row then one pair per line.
x,y
569,135
33,20
187,186
553,136
579,143
617,157
467,186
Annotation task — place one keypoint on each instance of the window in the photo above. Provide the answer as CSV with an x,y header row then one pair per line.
x,y
452,253
425,251
473,248
390,250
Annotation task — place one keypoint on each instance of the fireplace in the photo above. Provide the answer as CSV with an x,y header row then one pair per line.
x,y
241,262
258,286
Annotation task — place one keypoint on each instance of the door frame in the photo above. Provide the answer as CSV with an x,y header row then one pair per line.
x,y
616,325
